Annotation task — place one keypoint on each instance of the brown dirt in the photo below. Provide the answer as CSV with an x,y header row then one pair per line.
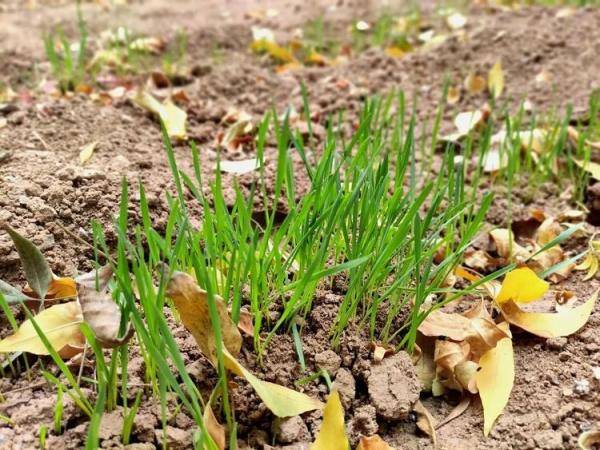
x,y
44,188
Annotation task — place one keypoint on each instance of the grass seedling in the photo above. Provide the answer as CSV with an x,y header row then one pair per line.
x,y
68,63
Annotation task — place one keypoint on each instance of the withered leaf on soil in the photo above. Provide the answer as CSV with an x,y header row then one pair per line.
x,y
496,80
87,151
590,167
37,271
332,434
282,402
474,84
103,316
213,427
59,323
425,421
495,379
589,440
373,443
173,118
192,304
240,167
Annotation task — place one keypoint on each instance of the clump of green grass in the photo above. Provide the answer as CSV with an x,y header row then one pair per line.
x,y
68,63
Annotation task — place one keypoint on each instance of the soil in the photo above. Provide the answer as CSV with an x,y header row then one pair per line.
x,y
45,190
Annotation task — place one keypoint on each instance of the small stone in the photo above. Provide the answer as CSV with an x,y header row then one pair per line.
x,y
346,386
394,386
582,386
564,356
290,430
557,343
328,360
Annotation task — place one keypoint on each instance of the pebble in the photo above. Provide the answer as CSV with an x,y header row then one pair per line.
x,y
582,386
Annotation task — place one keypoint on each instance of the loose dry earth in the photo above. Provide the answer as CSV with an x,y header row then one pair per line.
x,y
44,189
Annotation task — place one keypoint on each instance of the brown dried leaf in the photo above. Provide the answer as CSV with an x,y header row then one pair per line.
x,y
373,443
103,316
425,421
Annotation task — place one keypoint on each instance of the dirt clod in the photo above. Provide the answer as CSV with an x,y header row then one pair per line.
x,y
328,360
175,438
394,386
346,386
290,430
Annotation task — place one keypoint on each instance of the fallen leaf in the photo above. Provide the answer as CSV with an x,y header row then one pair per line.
x,y
173,118
457,411
590,263
245,323
425,421
467,121
380,351
394,52
274,50
148,44
12,294
60,324
453,95
332,434
101,275
474,84
495,380
590,167
240,167
231,138
103,316
495,159
37,271
282,402
549,325
496,80
373,443
87,151
521,285
589,440
192,304
506,247
214,428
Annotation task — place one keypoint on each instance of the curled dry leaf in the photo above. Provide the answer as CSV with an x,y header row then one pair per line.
x,y
590,167
192,304
457,411
373,443
214,428
332,434
240,167
245,324
380,351
589,440
173,118
425,421
495,379
103,316
453,95
60,325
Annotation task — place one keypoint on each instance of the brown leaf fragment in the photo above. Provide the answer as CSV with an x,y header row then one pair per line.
x,y
457,411
103,316
425,421
373,443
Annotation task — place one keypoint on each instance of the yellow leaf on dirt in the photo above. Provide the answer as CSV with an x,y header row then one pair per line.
x,y
316,59
282,402
506,246
373,443
62,287
496,80
425,421
394,52
521,285
548,325
274,50
171,115
453,95
590,167
103,316
192,304
590,263
474,84
332,434
60,324
214,428
87,151
495,380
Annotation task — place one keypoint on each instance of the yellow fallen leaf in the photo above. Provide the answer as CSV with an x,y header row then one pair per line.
x,y
590,167
394,52
548,325
474,84
60,324
373,443
282,402
87,151
506,246
214,428
453,95
171,115
590,263
495,380
496,80
332,434
467,121
192,304
521,285
274,50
